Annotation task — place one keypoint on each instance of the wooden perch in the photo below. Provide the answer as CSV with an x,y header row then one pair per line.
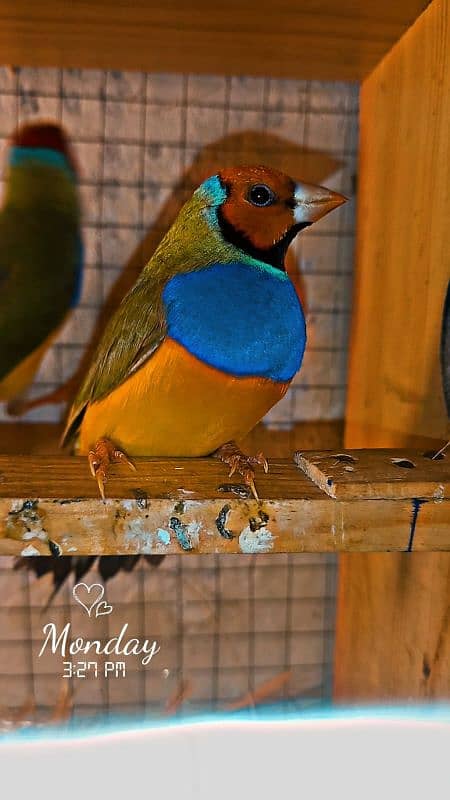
x,y
354,500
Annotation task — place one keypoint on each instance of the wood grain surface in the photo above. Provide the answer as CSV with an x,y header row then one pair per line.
x,y
318,39
393,620
50,504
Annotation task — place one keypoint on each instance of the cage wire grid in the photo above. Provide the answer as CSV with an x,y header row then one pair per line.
x,y
144,141
224,624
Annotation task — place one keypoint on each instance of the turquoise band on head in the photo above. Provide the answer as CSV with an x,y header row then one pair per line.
x,y
23,156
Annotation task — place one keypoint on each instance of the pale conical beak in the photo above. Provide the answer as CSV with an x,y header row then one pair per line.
x,y
313,202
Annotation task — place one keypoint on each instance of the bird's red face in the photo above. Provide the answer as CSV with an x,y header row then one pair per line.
x,y
264,210
47,135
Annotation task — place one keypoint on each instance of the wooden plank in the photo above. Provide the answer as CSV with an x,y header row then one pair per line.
x,y
393,634
68,477
122,527
190,505
318,39
377,474
393,617
432,528
403,242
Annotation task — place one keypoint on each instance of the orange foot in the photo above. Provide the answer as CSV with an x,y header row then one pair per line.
x,y
100,459
230,454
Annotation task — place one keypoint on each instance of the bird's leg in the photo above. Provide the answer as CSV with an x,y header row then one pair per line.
x,y
103,454
238,462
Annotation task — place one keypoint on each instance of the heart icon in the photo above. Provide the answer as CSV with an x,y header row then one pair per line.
x,y
103,609
82,594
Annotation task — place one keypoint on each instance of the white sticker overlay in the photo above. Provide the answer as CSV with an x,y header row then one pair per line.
x,y
67,644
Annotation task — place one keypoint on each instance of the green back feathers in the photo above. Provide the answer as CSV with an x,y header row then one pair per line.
x,y
39,258
139,326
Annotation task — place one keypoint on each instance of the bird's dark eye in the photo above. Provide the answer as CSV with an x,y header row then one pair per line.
x,y
261,195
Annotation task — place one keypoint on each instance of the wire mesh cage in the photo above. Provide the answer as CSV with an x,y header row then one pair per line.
x,y
145,141
235,630
225,627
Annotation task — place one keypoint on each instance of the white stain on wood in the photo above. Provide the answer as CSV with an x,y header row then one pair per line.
x,y
30,551
439,493
142,540
35,534
259,541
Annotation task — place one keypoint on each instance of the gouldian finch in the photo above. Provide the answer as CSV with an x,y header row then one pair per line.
x,y
40,252
212,333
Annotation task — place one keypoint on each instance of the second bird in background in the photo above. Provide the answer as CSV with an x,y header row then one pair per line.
x,y
41,253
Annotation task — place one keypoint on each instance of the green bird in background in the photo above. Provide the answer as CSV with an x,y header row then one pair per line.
x,y
41,253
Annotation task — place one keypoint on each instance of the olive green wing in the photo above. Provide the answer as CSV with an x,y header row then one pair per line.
x,y
133,334
38,274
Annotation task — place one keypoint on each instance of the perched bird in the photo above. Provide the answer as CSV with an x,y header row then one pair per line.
x,y
210,336
40,253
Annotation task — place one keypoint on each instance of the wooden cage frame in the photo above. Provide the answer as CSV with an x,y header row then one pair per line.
x,y
393,624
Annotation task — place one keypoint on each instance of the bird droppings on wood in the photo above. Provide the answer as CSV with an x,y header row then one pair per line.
x,y
66,545
140,538
181,532
235,488
439,494
260,540
33,534
26,521
54,548
255,524
67,501
29,551
141,498
221,522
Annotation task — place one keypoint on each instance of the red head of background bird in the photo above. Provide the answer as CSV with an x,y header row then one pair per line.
x,y
44,136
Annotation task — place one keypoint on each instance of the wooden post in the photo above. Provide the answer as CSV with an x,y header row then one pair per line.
x,y
393,623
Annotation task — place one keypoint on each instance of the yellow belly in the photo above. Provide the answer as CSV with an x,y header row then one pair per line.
x,y
177,406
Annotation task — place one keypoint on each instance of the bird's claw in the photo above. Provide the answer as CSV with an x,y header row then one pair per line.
x,y
242,464
100,459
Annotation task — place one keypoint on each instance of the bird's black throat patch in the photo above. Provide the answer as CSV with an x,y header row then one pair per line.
x,y
273,255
